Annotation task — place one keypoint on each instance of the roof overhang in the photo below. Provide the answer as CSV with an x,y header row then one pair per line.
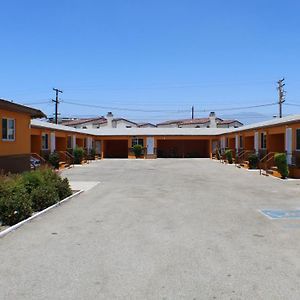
x,y
11,106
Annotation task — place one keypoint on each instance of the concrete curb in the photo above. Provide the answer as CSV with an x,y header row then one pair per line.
x,y
16,226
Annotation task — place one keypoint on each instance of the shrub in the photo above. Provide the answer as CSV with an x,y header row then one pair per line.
x,y
63,188
281,164
137,150
93,153
78,154
43,197
253,161
228,154
15,202
54,160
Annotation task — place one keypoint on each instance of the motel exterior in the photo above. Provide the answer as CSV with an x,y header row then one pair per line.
x,y
24,137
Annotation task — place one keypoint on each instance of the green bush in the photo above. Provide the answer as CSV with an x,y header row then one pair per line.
x,y
78,154
228,154
15,202
43,197
31,191
137,150
63,188
281,164
54,160
253,161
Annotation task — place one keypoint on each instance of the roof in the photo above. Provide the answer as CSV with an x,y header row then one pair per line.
x,y
11,106
162,131
229,122
154,131
135,131
196,121
145,124
122,119
52,126
269,123
99,120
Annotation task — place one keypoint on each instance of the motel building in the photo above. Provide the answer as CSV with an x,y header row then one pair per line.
x,y
24,137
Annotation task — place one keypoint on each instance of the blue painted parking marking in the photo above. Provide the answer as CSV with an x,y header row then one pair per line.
x,y
281,214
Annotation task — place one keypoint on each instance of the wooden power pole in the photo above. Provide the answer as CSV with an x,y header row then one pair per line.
x,y
281,95
56,101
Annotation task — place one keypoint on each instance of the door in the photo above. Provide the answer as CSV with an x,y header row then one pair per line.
x,y
150,145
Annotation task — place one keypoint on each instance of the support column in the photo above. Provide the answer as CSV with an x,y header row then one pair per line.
x,y
256,142
52,142
288,144
236,143
73,142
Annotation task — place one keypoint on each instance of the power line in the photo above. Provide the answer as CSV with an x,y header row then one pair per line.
x,y
123,108
169,111
238,107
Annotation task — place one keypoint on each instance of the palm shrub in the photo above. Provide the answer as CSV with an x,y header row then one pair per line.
x,y
281,164
137,150
78,154
54,160
228,155
15,202
253,161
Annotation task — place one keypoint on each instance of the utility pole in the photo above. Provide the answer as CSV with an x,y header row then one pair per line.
x,y
193,112
281,95
56,101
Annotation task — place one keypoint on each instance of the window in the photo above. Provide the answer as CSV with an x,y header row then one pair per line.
x,y
8,129
226,143
137,141
263,140
45,141
241,142
297,139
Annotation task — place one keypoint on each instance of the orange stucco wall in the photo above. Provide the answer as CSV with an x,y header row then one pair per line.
x,y
21,144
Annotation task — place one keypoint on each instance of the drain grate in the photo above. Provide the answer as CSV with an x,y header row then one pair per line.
x,y
281,214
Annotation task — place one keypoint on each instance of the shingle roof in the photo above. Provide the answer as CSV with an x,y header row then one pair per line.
x,y
11,106
99,120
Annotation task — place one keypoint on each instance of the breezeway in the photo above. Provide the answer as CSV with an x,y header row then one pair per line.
x,y
159,229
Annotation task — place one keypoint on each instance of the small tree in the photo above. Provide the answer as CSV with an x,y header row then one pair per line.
x,y
228,154
281,164
137,150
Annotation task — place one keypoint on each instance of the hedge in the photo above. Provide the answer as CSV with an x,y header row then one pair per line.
x,y
20,195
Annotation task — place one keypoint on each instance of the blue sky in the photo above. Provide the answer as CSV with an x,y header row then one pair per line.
x,y
159,56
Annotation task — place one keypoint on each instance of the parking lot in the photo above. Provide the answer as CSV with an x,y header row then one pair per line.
x,y
159,229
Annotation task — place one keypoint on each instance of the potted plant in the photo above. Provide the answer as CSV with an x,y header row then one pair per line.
x,y
253,161
137,150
